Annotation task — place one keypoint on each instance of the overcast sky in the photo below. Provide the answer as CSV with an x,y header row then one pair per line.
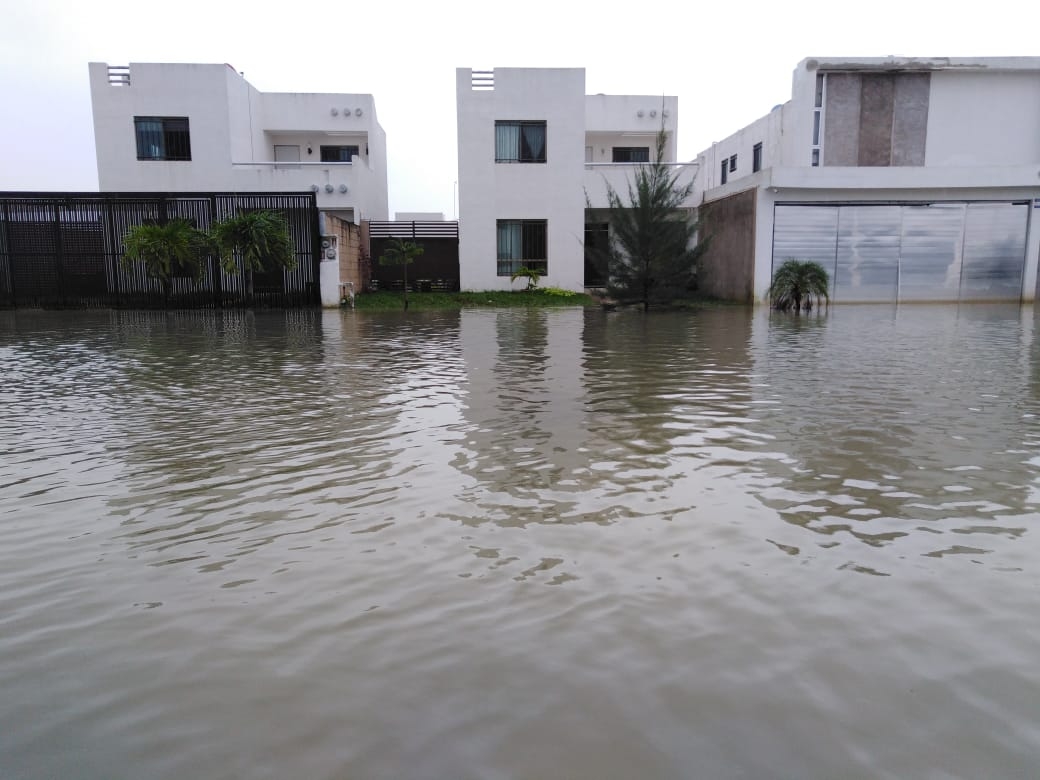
x,y
729,63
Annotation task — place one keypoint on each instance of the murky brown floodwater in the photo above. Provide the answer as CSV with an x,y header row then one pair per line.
x,y
520,544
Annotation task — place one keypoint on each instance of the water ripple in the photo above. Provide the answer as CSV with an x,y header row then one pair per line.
x,y
519,543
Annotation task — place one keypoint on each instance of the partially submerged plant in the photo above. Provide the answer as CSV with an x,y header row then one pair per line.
x,y
797,283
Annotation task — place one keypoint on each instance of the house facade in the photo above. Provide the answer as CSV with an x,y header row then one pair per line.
x,y
535,157
204,128
908,179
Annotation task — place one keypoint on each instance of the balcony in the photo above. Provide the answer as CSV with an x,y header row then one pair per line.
x,y
338,185
619,175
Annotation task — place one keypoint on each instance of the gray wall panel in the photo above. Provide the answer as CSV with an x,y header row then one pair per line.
x,y
994,251
875,124
868,253
841,120
909,252
910,118
930,252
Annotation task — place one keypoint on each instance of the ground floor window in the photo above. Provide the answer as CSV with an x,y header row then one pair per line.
x,y
522,244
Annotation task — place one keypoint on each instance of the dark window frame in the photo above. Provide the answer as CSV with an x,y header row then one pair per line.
x,y
756,157
733,163
326,152
171,141
635,154
725,168
534,247
526,137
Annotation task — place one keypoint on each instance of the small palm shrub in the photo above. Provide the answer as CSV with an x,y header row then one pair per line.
x,y
260,238
532,276
172,249
797,284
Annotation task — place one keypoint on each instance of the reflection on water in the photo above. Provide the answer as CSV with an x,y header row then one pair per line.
x,y
317,544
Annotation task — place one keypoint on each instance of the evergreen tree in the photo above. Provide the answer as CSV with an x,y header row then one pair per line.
x,y
652,251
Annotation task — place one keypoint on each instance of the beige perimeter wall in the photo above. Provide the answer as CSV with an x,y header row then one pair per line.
x,y
727,268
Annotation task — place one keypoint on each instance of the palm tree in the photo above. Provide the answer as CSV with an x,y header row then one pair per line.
x,y
260,238
166,250
401,252
796,283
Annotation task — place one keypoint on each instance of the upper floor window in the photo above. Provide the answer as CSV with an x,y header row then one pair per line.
x,y
723,176
338,153
522,142
522,244
631,154
817,129
756,157
162,138
733,164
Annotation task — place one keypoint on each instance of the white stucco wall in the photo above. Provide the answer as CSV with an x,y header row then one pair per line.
x,y
198,92
767,131
983,119
489,191
233,128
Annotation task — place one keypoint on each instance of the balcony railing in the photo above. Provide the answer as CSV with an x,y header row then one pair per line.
x,y
619,175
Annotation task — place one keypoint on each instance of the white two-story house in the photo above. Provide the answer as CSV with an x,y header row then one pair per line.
x,y
908,179
535,157
204,128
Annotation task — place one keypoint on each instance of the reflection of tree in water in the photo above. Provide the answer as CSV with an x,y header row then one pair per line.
x,y
583,416
900,429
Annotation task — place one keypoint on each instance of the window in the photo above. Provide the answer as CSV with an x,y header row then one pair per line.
x,y
520,142
732,163
631,154
338,153
756,157
725,168
817,130
162,138
522,244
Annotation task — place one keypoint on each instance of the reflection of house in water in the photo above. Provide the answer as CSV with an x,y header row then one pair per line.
x,y
577,416
908,179
524,408
899,426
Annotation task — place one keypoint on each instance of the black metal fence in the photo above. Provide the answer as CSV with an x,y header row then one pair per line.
x,y
437,269
64,250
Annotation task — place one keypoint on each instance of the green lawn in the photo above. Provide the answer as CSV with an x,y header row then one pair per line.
x,y
382,301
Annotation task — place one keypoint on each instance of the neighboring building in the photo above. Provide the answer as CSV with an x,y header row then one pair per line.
x,y
204,128
534,152
908,179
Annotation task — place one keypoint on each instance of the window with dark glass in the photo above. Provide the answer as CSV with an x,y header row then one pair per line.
x,y
338,153
733,164
520,142
522,244
725,168
162,138
756,157
631,154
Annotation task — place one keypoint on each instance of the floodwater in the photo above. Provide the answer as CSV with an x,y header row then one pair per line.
x,y
520,544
